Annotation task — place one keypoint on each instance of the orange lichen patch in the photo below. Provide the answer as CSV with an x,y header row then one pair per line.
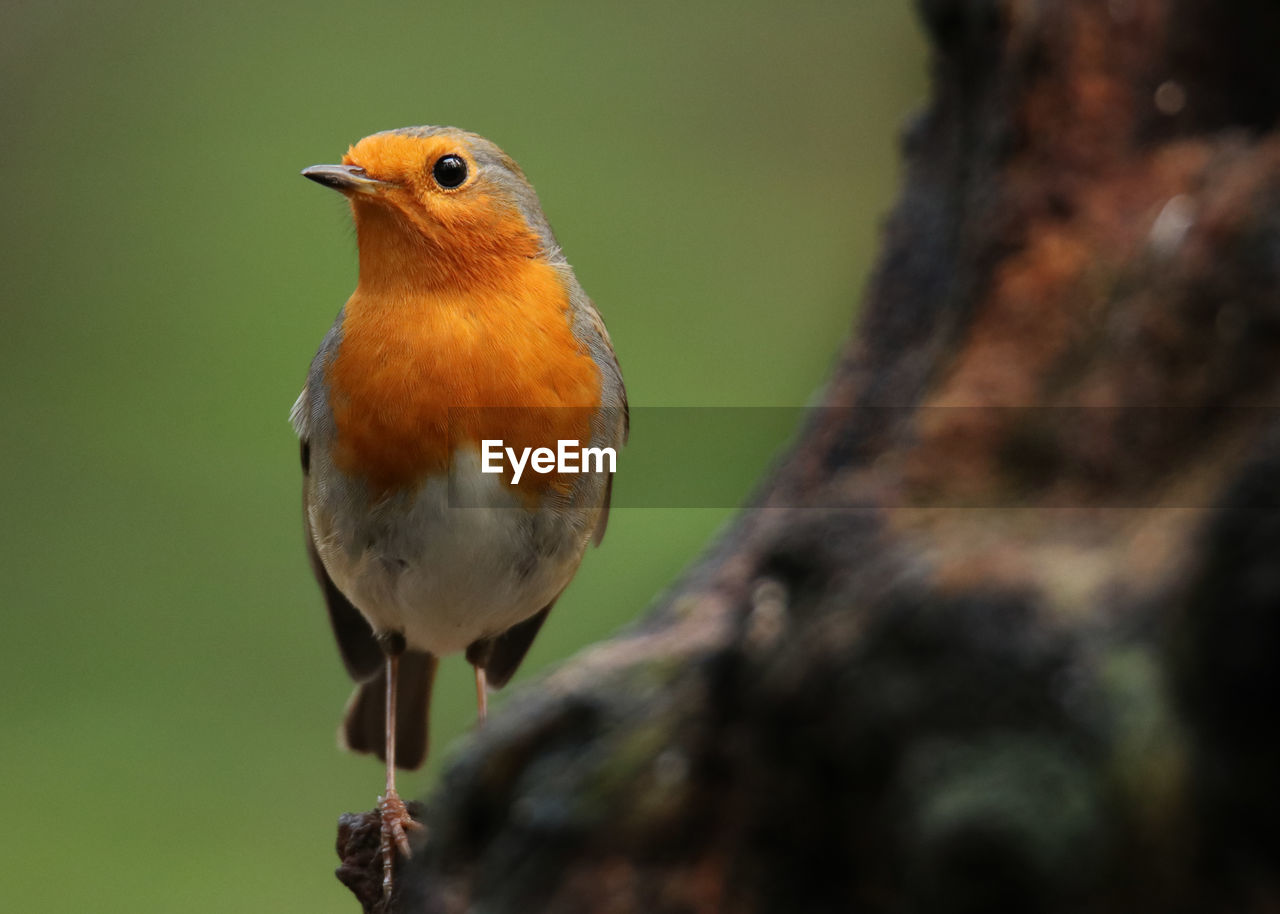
x,y
417,376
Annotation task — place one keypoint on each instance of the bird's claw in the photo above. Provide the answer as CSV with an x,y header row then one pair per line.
x,y
396,822
396,825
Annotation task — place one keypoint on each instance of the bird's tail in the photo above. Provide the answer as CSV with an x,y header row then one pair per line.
x,y
364,725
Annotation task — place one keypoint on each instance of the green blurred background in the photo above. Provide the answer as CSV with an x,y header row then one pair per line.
x,y
716,172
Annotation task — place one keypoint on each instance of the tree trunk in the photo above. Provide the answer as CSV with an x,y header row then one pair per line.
x,y
1002,631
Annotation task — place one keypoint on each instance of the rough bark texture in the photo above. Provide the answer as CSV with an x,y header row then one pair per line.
x,y
1003,631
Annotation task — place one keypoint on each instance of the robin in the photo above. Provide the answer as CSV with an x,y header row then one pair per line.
x,y
467,336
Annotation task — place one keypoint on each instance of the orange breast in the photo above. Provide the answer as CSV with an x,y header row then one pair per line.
x,y
421,373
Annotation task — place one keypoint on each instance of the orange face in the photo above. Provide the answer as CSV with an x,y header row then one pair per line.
x,y
426,201
458,308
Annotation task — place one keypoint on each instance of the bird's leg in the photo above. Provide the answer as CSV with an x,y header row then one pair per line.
x,y
482,693
395,816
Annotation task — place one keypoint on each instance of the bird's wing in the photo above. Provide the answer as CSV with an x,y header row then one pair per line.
x,y
602,524
500,656
616,399
360,651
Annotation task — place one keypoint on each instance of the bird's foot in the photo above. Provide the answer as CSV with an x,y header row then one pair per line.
x,y
396,825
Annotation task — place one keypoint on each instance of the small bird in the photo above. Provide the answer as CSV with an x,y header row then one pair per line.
x,y
467,327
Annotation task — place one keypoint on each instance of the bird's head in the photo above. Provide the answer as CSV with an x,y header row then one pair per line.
x,y
438,204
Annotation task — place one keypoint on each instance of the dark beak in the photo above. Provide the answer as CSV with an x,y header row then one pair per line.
x,y
345,178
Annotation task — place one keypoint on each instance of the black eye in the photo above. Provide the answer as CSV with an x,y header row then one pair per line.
x,y
449,171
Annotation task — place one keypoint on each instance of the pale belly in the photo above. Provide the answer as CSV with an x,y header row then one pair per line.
x,y
449,564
